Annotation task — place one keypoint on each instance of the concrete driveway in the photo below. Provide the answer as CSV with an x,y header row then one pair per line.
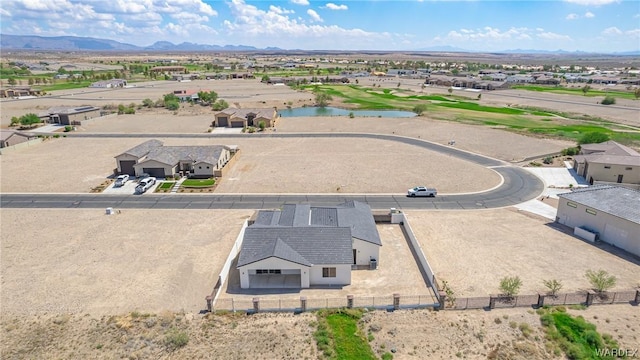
x,y
129,188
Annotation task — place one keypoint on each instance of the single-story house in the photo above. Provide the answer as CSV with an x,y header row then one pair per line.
x,y
168,69
188,95
109,84
17,91
232,117
65,115
13,137
611,212
153,158
301,246
608,163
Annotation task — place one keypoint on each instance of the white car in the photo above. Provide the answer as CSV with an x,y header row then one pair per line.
x,y
422,191
121,180
145,184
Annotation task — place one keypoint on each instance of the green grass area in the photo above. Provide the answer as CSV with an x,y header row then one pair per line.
x,y
576,337
575,91
65,85
196,183
166,185
338,336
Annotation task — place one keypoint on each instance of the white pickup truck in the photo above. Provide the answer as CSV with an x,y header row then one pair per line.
x,y
422,191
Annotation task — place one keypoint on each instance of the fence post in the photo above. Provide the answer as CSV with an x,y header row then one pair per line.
x,y
349,301
637,299
256,304
443,300
492,302
209,303
396,301
540,300
303,303
590,295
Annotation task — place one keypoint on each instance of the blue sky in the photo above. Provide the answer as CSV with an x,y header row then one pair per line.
x,y
477,25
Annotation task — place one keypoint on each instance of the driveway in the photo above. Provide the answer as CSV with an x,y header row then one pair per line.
x,y
129,188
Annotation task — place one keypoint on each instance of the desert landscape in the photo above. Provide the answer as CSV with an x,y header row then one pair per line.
x,y
77,283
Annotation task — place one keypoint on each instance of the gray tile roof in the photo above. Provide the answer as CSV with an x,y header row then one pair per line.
x,y
143,149
171,155
244,113
615,200
302,245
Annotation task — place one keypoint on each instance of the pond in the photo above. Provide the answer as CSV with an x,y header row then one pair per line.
x,y
332,111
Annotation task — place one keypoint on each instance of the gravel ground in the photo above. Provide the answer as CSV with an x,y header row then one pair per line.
x,y
505,242
83,261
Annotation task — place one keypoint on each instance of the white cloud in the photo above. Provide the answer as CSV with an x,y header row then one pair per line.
x,y
636,16
589,15
279,10
314,15
611,31
547,35
592,2
300,2
572,16
332,6
4,12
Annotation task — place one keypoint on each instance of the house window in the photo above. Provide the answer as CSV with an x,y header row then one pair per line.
x,y
589,211
573,205
207,167
268,271
628,168
607,167
200,167
329,272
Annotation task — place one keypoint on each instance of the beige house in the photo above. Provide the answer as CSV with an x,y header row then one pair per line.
x,y
302,246
609,213
608,163
153,158
65,115
232,117
12,137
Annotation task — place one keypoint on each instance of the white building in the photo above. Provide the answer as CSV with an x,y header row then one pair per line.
x,y
611,212
302,246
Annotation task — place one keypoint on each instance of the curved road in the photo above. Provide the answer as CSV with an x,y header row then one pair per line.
x,y
518,186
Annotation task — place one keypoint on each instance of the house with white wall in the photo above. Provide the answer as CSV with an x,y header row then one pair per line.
x,y
300,246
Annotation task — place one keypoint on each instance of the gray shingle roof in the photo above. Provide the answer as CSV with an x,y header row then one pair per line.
x,y
171,155
614,200
302,245
143,149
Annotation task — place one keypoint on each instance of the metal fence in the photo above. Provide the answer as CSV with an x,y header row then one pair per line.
x,y
470,303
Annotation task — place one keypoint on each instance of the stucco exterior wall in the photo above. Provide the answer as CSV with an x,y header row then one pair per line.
x,y
343,275
597,171
274,264
365,251
616,231
203,169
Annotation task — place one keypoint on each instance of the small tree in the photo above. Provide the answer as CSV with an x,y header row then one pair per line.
x,y
29,119
147,103
322,99
419,109
262,125
553,285
265,79
636,93
608,100
510,286
220,105
585,89
601,280
172,105
450,90
593,138
15,121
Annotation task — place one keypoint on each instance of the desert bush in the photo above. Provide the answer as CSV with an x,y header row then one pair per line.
x,y
419,109
608,100
176,339
510,285
548,160
553,285
601,280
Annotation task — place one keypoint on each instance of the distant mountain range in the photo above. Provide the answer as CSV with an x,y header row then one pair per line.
x,y
75,43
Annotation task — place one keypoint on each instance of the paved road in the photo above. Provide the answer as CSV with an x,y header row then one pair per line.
x,y
518,186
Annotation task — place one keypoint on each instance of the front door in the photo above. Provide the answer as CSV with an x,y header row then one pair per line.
x,y
619,179
355,252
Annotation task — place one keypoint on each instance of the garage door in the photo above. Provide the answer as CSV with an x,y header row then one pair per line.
x,y
223,121
237,124
126,167
155,172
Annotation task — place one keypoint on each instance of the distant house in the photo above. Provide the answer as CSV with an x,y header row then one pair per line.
x,y
520,79
65,115
232,117
153,158
611,213
12,137
608,163
168,69
188,95
18,91
301,246
109,84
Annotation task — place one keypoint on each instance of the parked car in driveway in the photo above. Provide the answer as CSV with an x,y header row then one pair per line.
x,y
145,184
422,191
121,180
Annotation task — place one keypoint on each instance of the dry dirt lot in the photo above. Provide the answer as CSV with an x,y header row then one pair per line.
x,y
83,261
472,251
413,334
264,166
397,273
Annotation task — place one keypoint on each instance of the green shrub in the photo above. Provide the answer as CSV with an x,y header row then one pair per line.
x,y
601,280
510,286
172,105
548,160
68,128
176,339
419,109
570,151
593,138
608,100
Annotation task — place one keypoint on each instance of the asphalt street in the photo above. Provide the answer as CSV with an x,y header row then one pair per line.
x,y
518,186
